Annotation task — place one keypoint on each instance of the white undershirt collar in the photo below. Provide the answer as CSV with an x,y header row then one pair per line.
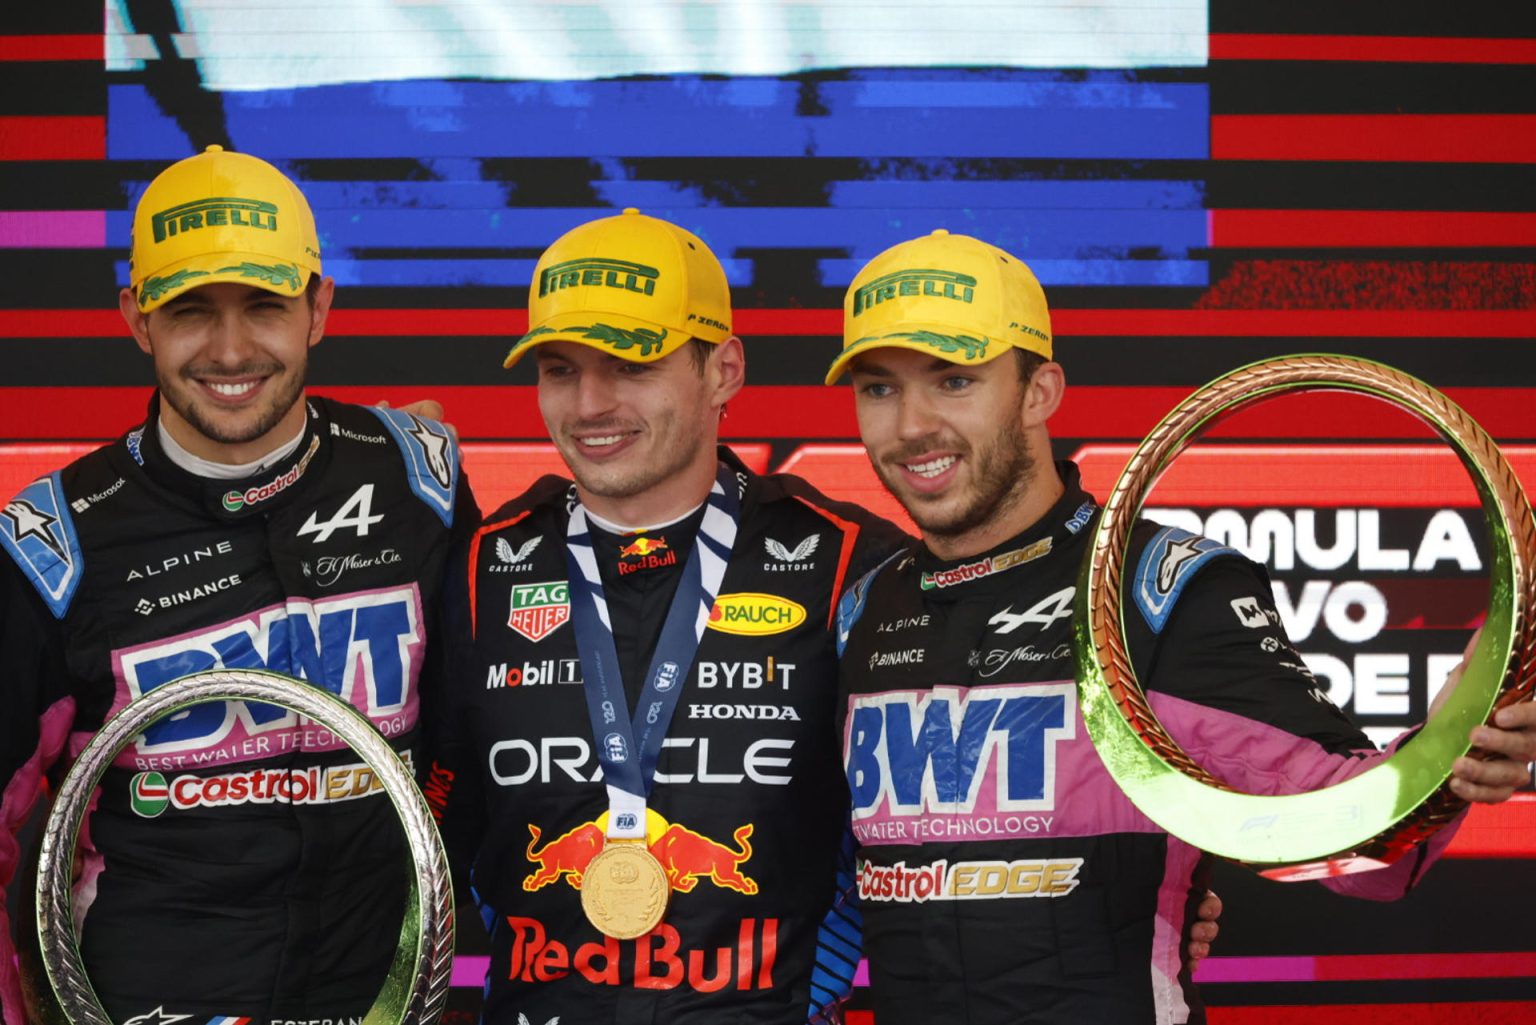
x,y
201,467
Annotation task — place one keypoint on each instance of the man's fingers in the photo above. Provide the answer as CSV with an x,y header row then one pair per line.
x,y
1487,782
1204,932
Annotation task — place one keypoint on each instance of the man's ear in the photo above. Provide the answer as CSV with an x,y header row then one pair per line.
x,y
727,370
321,309
1043,394
137,322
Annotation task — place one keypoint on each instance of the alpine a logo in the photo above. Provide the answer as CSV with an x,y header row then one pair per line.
x,y
234,501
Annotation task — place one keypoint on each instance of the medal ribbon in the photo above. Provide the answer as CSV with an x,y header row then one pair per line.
x,y
628,751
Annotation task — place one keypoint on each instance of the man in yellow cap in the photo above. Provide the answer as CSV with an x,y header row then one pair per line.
x,y
639,739
239,863
1003,875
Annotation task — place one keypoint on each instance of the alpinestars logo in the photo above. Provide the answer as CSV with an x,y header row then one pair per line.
x,y
791,560
514,560
27,520
435,448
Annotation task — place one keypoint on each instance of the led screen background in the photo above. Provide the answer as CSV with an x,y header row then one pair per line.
x,y
1197,186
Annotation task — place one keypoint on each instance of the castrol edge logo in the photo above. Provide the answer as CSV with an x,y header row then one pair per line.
x,y
755,615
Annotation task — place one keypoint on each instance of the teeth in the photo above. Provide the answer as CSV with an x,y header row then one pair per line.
x,y
232,390
603,442
933,467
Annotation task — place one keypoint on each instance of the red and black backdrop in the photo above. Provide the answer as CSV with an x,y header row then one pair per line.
x,y
1197,186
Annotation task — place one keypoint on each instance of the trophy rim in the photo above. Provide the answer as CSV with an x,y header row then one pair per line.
x,y
416,989
1370,819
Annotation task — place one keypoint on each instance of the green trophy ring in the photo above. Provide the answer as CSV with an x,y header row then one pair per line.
x,y
1375,817
416,989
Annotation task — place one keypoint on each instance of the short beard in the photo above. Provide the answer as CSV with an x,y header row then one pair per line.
x,y
268,418
1003,474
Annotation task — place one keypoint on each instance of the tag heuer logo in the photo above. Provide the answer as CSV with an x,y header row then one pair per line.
x,y
538,610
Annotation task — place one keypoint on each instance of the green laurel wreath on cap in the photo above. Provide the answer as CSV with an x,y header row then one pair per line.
x,y
283,275
974,349
645,339
154,288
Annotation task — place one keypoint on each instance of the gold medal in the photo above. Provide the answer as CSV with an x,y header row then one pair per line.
x,y
624,890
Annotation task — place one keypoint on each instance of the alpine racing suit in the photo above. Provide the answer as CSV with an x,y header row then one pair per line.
x,y
1003,876
748,806
238,861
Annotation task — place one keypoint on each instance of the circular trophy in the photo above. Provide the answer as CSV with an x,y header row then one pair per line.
x,y
416,989
1370,819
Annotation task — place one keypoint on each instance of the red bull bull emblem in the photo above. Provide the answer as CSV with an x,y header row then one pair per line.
x,y
685,855
650,553
658,959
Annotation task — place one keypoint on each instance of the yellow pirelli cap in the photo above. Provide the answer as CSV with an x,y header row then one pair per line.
x,y
221,216
950,295
633,286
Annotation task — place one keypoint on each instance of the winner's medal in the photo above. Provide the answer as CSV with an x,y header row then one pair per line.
x,y
624,890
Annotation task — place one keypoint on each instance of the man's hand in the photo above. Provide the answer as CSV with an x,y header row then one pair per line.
x,y
1203,932
429,410
1513,735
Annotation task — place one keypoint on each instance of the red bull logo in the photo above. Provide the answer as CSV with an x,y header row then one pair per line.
x,y
657,960
651,553
642,546
685,855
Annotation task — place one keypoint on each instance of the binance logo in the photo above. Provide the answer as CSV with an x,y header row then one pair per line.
x,y
631,277
218,211
944,284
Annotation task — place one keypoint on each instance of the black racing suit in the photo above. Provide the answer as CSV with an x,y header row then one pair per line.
x,y
237,861
1004,878
748,803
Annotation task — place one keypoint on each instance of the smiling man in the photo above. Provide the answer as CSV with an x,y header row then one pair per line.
x,y
239,863
1004,876
637,753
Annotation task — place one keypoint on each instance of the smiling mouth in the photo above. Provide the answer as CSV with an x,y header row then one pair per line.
x,y
931,468
232,389
603,440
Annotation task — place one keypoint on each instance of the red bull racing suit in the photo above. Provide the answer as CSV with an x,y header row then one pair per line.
x,y
748,807
1004,878
238,862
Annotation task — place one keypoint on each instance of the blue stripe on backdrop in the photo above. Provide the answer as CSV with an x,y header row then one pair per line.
x,y
1100,227
425,273
1029,233
1018,115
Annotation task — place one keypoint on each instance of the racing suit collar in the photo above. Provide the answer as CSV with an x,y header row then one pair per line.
x,y
234,499
1053,533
